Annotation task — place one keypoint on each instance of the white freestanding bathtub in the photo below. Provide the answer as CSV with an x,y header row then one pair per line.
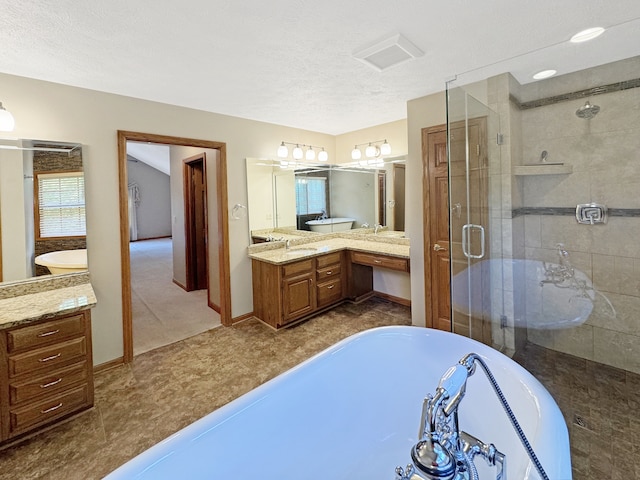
x,y
64,261
327,225
353,412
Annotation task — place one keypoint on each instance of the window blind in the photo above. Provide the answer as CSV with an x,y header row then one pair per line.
x,y
61,207
311,195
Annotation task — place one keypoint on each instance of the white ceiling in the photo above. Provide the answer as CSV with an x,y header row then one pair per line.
x,y
290,62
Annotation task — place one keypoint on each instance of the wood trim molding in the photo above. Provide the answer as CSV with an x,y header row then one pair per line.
x,y
244,317
223,226
392,298
103,367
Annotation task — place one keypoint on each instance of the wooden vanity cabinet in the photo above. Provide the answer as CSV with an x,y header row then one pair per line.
x,y
46,372
286,293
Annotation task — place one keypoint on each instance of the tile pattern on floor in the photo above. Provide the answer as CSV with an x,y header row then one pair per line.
x,y
164,390
601,406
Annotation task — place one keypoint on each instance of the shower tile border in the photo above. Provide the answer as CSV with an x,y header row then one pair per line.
x,y
571,211
588,92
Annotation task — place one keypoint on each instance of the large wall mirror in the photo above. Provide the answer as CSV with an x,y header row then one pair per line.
x,y
42,210
326,198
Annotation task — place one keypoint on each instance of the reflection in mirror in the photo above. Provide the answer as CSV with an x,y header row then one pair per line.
x,y
42,211
308,198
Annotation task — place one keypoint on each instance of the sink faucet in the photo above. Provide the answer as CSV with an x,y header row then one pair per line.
x,y
287,244
376,228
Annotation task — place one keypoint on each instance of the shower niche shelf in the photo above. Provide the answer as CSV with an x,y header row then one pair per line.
x,y
541,169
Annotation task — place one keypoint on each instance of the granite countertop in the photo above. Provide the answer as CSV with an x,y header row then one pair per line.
x,y
300,251
39,300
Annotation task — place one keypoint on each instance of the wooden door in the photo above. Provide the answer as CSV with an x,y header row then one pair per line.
x,y
398,196
436,240
298,297
195,202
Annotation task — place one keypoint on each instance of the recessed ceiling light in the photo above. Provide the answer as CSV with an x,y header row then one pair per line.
x,y
588,34
544,74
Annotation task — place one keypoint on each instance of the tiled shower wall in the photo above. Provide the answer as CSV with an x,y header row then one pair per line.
x,y
604,153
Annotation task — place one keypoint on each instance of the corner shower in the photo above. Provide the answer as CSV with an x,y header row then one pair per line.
x,y
590,205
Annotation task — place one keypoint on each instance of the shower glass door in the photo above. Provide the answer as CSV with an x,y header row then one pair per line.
x,y
477,290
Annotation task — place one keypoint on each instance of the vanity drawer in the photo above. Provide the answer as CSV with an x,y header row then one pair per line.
x,y
393,263
34,414
329,259
44,333
323,274
48,357
49,383
297,268
329,292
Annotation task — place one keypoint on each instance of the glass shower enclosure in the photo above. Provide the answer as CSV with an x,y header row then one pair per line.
x,y
476,221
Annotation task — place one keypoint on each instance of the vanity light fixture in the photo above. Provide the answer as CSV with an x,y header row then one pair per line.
x,y
283,151
297,152
586,35
301,151
373,150
7,122
310,154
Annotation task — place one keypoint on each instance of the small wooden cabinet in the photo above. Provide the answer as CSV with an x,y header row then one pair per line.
x,y
46,370
285,293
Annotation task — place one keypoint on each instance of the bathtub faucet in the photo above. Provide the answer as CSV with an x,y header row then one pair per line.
x,y
443,452
323,215
560,273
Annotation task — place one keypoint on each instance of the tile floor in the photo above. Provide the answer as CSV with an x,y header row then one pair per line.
x,y
601,405
139,404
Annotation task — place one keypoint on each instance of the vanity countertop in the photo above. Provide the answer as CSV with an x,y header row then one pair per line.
x,y
298,252
29,305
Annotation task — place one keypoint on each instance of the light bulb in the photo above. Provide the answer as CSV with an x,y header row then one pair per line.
x,y
7,122
298,153
310,155
283,151
385,148
372,151
323,156
356,154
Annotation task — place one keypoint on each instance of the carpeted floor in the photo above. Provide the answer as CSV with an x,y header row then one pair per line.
x,y
163,313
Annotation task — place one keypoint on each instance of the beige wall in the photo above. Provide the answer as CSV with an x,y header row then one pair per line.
x,y
421,113
394,132
41,110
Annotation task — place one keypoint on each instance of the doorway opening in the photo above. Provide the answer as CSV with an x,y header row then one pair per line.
x,y
216,272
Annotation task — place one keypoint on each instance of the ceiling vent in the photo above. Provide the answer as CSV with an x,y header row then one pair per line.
x,y
388,52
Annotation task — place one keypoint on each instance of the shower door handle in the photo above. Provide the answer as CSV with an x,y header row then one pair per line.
x,y
465,250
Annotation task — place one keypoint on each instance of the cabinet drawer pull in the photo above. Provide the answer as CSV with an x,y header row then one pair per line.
x,y
51,384
46,334
377,261
52,357
329,272
52,408
330,287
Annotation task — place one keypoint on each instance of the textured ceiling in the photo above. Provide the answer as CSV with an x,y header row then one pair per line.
x,y
290,62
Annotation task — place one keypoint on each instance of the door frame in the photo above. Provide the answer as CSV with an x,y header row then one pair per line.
x,y
223,226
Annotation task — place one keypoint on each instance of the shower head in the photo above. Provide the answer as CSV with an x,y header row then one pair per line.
x,y
587,110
